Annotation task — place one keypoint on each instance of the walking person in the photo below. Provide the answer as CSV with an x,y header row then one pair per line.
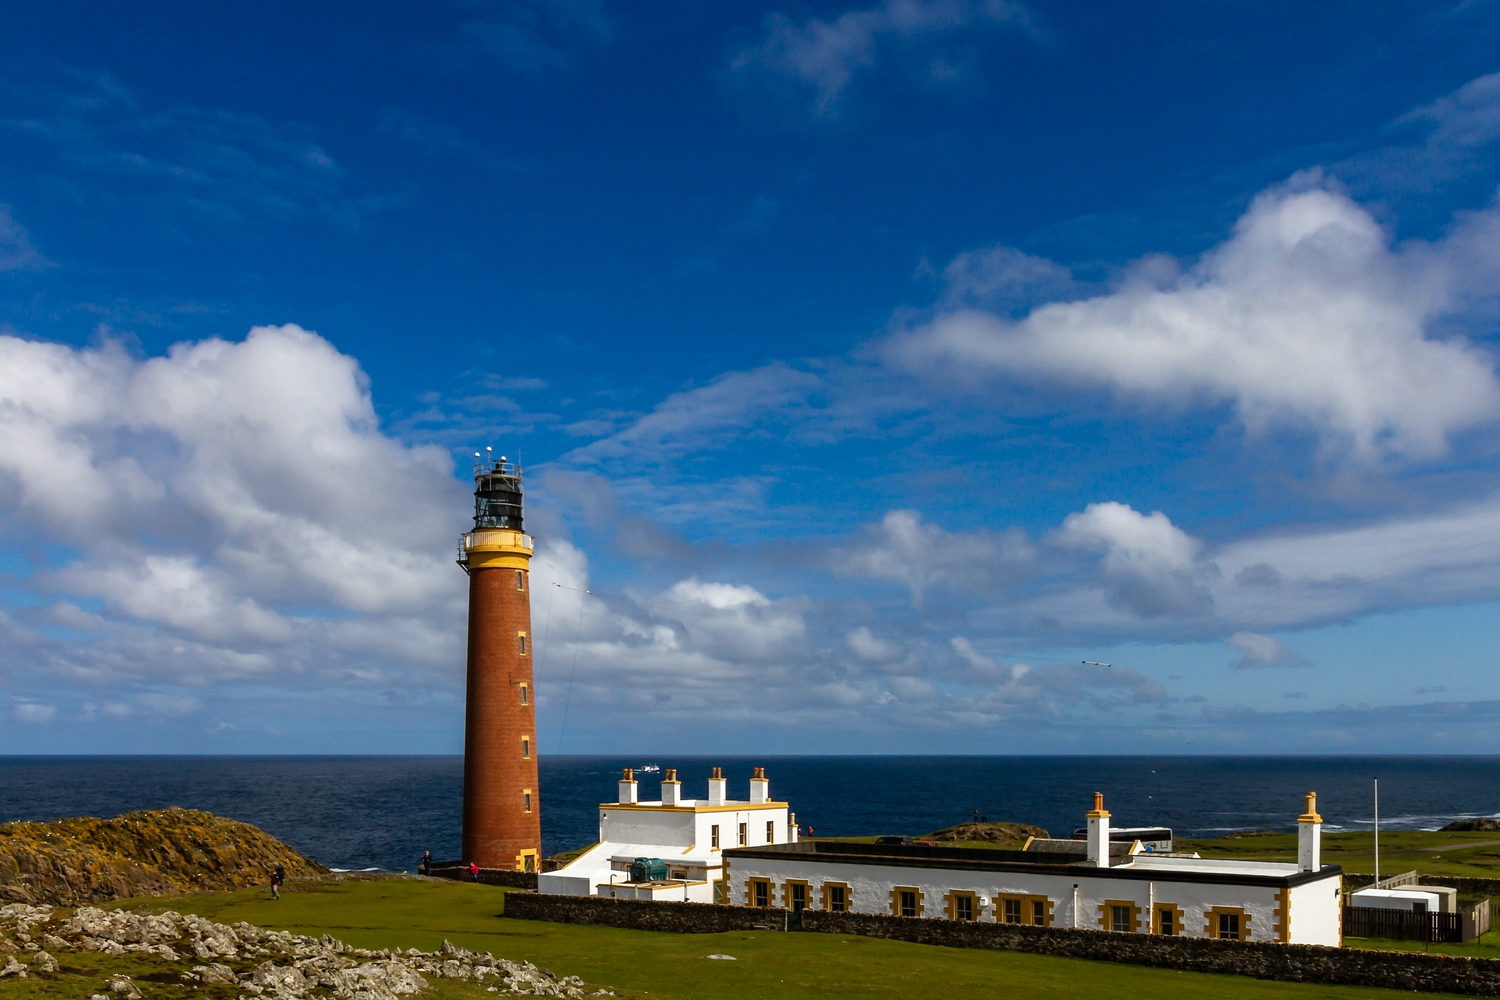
x,y
473,871
277,878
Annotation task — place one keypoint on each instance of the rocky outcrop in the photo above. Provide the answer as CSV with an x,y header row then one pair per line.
x,y
1003,834
1484,824
152,852
275,964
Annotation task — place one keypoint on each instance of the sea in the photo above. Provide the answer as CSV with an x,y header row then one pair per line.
x,y
362,813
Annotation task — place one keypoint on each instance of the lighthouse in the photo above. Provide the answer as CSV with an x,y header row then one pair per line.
x,y
502,811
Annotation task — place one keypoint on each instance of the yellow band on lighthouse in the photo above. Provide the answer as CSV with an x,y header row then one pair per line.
x,y
496,548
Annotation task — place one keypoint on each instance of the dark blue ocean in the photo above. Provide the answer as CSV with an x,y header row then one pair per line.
x,y
383,812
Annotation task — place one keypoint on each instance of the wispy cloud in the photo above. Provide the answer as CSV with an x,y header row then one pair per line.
x,y
1453,137
16,250
211,165
527,36
822,57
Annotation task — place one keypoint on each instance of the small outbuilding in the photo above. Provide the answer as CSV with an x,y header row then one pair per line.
x,y
672,847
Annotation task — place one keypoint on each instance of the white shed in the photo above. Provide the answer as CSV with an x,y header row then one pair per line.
x,y
1414,899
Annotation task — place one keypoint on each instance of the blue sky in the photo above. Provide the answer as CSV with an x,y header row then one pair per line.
x,y
873,366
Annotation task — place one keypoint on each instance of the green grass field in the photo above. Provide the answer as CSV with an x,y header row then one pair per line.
x,y
1476,855
640,965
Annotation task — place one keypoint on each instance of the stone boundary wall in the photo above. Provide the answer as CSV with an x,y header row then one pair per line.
x,y
643,914
487,876
1293,963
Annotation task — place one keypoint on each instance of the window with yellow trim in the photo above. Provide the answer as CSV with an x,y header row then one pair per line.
x,y
1035,911
797,895
836,897
525,747
521,642
713,835
526,799
906,901
1167,920
1122,916
525,694
758,892
963,905
520,579
1227,923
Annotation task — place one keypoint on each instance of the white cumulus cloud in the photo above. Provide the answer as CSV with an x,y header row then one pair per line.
x,y
1261,651
234,506
1150,567
1307,317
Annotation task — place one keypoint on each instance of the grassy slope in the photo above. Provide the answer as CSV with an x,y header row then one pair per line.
x,y
416,913
1476,855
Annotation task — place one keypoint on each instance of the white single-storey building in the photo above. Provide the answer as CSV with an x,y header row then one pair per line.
x,y
1111,887
1418,899
687,835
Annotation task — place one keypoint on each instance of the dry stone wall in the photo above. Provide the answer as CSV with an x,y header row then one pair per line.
x,y
1282,962
641,914
487,876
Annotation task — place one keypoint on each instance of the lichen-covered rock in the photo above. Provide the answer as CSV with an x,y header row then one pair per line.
x,y
275,965
211,975
122,986
43,962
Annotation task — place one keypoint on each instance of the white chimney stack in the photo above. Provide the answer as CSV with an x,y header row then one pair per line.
x,y
671,789
1310,837
1098,833
718,788
791,828
628,788
760,788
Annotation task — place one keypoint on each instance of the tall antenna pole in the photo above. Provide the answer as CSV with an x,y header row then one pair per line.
x,y
1377,831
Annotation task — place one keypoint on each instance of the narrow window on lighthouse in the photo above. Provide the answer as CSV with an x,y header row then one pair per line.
x,y
526,798
525,695
521,636
526,747
520,579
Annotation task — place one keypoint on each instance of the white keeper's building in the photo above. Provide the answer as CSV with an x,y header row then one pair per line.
x,y
688,836
1097,885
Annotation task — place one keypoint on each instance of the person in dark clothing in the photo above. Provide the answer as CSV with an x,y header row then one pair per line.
x,y
426,862
278,878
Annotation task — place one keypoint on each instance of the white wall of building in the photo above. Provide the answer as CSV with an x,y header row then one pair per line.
x,y
1318,913
666,826
1398,899
870,891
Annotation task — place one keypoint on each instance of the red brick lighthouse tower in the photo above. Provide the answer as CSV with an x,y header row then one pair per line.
x,y
502,819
